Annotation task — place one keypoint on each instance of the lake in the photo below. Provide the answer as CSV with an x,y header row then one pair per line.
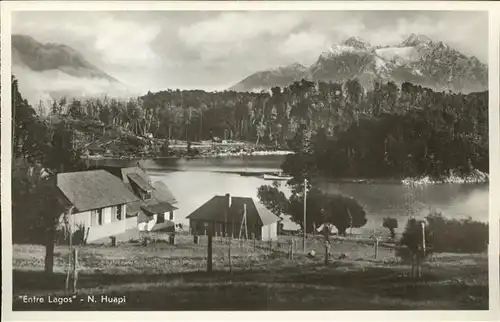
x,y
193,182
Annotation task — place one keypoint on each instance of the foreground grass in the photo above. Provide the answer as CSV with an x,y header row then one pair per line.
x,y
165,277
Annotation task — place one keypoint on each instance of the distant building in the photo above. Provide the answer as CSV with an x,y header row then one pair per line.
x,y
227,213
288,226
100,203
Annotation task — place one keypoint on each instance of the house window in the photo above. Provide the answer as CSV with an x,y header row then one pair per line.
x,y
171,216
99,216
160,218
119,212
147,196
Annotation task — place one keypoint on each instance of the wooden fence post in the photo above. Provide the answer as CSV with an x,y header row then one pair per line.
x,y
209,250
412,262
229,254
376,248
75,269
326,251
418,267
253,236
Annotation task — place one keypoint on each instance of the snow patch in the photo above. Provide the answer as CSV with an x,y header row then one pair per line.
x,y
339,50
381,65
394,54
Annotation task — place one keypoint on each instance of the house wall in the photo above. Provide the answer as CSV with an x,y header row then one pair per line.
x,y
221,229
270,232
168,223
111,225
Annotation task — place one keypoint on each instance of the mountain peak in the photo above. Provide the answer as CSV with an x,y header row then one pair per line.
x,y
357,42
418,59
296,66
415,39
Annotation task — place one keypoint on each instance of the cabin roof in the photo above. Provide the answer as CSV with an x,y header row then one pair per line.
x,y
140,181
95,189
217,209
162,199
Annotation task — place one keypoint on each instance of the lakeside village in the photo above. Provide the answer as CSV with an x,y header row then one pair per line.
x,y
123,204
95,230
120,221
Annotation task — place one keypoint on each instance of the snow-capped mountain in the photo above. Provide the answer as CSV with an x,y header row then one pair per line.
x,y
51,70
417,59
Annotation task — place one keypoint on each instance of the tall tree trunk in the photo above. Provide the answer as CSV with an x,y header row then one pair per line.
x,y
49,252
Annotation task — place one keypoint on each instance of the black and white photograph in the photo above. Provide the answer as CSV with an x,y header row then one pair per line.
x,y
249,160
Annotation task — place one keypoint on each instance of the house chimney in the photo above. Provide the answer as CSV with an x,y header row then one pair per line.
x,y
228,197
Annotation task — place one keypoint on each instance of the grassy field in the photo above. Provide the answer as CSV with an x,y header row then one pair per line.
x,y
173,277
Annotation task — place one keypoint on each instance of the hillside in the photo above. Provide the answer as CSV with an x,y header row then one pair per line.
x,y
50,71
280,76
51,56
417,59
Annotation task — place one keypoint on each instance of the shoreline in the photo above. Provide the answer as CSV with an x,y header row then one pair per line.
x,y
475,177
207,156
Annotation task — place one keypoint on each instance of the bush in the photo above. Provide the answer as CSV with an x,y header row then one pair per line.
x,y
411,240
444,235
391,224
457,236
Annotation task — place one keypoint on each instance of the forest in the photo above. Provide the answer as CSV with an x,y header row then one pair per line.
x,y
339,130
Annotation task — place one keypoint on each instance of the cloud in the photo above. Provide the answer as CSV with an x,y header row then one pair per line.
x,y
106,38
50,85
212,49
306,44
235,32
126,42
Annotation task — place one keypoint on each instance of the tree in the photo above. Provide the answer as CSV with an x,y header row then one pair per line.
x,y
36,208
42,151
273,199
344,212
51,209
414,249
61,155
165,149
337,210
391,224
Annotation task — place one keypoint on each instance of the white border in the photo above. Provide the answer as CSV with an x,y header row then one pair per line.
x,y
494,120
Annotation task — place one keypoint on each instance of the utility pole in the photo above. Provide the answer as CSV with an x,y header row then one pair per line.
x,y
305,207
350,222
423,238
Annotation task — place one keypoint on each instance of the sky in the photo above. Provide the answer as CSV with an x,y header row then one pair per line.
x,y
213,50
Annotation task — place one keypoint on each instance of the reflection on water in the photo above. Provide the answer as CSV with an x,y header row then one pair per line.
x,y
197,182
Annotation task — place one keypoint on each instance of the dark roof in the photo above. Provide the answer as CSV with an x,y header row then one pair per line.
x,y
216,210
134,207
88,190
116,171
161,196
158,207
140,181
163,193
125,172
